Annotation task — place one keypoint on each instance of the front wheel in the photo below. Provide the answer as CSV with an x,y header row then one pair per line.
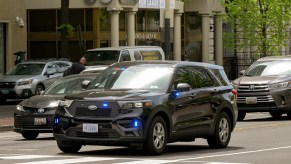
x,y
157,136
222,132
30,135
39,88
69,148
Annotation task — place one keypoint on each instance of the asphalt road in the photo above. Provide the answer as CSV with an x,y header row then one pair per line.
x,y
257,140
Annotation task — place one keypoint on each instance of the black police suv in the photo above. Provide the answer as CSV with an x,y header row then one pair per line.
x,y
148,104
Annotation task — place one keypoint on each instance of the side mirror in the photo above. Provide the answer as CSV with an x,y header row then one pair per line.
x,y
49,72
85,84
242,72
182,87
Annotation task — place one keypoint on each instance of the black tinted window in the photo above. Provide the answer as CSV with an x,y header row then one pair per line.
x,y
125,56
221,76
201,78
183,76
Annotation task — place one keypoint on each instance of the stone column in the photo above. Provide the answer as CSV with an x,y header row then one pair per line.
x,y
218,49
205,37
114,28
177,36
130,28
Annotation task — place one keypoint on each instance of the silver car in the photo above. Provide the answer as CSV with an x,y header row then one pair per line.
x,y
30,78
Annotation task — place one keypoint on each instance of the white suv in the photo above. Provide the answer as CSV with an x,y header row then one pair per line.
x,y
110,55
30,78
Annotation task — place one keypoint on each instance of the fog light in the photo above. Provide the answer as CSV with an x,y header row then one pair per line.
x,y
136,123
56,121
283,102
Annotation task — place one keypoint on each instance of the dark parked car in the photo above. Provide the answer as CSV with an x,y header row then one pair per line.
x,y
35,115
265,87
148,104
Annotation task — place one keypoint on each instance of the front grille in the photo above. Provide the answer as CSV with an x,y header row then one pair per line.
x,y
34,110
100,112
253,88
260,99
28,123
7,84
81,109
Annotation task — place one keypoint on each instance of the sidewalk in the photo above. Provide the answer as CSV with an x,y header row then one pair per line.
x,y
6,124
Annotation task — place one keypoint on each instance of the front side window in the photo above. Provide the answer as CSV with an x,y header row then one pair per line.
x,y
269,68
26,69
152,78
125,56
183,76
201,78
105,57
68,85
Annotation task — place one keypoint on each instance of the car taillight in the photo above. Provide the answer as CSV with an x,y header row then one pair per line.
x,y
234,91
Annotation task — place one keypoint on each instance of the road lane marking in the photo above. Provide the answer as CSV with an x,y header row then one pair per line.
x,y
261,126
68,161
231,154
147,162
27,157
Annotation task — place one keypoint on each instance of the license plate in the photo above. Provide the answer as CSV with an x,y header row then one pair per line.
x,y
90,128
40,121
251,100
5,91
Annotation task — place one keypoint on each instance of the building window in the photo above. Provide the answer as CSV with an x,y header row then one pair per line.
x,y
42,20
153,21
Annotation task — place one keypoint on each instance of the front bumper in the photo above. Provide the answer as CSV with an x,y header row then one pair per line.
x,y
273,100
29,123
110,132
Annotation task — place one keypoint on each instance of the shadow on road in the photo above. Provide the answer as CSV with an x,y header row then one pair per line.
x,y
177,150
283,118
14,102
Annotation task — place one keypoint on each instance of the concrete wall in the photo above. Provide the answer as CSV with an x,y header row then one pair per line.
x,y
16,37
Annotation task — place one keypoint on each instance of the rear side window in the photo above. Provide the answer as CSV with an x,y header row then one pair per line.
x,y
201,78
137,55
151,54
221,76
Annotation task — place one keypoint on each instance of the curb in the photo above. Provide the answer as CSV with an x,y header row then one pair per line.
x,y
6,128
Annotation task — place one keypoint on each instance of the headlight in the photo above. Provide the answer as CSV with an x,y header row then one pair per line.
x,y
66,103
53,104
20,108
278,85
25,82
132,105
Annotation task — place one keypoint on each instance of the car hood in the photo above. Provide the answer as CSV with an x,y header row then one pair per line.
x,y
41,101
113,95
14,78
261,79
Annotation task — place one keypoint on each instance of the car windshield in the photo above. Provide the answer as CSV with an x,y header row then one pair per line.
x,y
269,68
101,57
150,77
68,85
27,69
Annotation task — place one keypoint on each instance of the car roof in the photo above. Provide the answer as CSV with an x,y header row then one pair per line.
x,y
46,60
272,58
168,63
122,48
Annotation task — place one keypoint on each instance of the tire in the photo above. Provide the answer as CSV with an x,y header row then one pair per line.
x,y
241,116
289,115
2,101
276,115
222,132
38,89
29,135
157,136
69,148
